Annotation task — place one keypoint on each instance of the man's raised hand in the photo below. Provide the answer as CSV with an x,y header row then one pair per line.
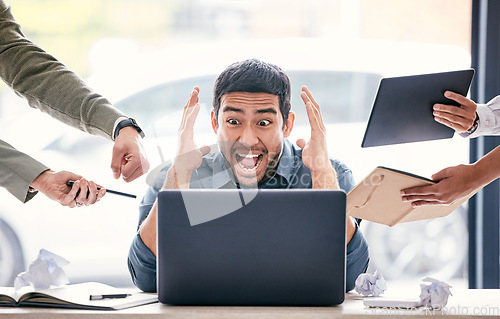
x,y
314,152
189,157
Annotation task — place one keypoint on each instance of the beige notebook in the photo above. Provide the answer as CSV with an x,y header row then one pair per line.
x,y
377,199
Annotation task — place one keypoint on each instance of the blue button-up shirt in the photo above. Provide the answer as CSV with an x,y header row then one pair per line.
x,y
290,173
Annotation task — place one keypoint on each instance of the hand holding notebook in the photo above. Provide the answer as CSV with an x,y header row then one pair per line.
x,y
378,199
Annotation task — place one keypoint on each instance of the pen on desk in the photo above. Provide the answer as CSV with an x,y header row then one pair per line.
x,y
70,183
113,296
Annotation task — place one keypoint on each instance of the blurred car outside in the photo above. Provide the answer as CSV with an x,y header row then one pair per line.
x,y
154,87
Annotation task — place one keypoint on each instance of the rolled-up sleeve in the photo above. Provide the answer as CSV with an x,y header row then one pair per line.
x,y
357,258
142,265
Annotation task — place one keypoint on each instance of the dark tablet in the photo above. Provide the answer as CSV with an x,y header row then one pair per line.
x,y
402,110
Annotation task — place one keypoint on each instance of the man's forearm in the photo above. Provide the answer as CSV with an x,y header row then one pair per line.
x,y
147,230
148,226
177,179
487,168
328,180
48,85
325,179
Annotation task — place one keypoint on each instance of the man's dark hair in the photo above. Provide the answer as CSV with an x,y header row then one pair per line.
x,y
254,76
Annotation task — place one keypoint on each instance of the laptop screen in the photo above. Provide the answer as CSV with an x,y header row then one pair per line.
x,y
257,247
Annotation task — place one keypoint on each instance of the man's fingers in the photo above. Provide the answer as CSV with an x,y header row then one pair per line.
x,y
419,191
187,131
69,198
420,203
116,161
135,172
450,117
92,194
311,116
134,167
456,115
314,121
194,97
301,143
413,198
442,174
459,127
450,109
101,193
192,100
310,96
82,195
462,100
205,150
315,106
193,114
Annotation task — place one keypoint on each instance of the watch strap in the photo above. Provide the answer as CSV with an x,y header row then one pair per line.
x,y
474,126
128,122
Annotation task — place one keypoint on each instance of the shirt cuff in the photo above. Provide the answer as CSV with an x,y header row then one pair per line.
x,y
118,120
486,123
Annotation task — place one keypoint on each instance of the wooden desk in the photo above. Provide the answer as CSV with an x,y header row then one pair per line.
x,y
464,304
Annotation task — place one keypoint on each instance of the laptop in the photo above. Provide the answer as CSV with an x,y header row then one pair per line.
x,y
402,109
264,247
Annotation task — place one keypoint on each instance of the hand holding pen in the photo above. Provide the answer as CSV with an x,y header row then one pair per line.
x,y
85,193
99,188
54,186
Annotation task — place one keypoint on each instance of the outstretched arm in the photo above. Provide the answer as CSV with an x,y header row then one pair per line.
x,y
51,87
187,160
315,154
456,182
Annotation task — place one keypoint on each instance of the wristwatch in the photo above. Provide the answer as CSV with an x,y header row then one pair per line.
x,y
473,128
128,122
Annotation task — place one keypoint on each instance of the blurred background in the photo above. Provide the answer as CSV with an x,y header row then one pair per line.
x,y
146,56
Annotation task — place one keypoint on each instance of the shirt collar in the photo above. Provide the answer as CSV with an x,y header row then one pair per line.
x,y
286,165
221,174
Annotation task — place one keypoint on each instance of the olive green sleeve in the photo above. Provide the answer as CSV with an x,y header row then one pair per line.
x,y
48,85
17,171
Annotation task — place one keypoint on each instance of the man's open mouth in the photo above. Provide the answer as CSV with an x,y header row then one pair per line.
x,y
249,162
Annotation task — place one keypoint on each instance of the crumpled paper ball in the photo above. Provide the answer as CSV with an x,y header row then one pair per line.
x,y
435,294
368,284
44,272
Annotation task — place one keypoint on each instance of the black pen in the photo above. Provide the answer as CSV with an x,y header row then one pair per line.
x,y
114,296
70,183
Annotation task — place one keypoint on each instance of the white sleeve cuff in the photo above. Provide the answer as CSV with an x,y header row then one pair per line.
x,y
487,124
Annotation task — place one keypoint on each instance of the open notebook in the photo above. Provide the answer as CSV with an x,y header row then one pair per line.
x,y
75,296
